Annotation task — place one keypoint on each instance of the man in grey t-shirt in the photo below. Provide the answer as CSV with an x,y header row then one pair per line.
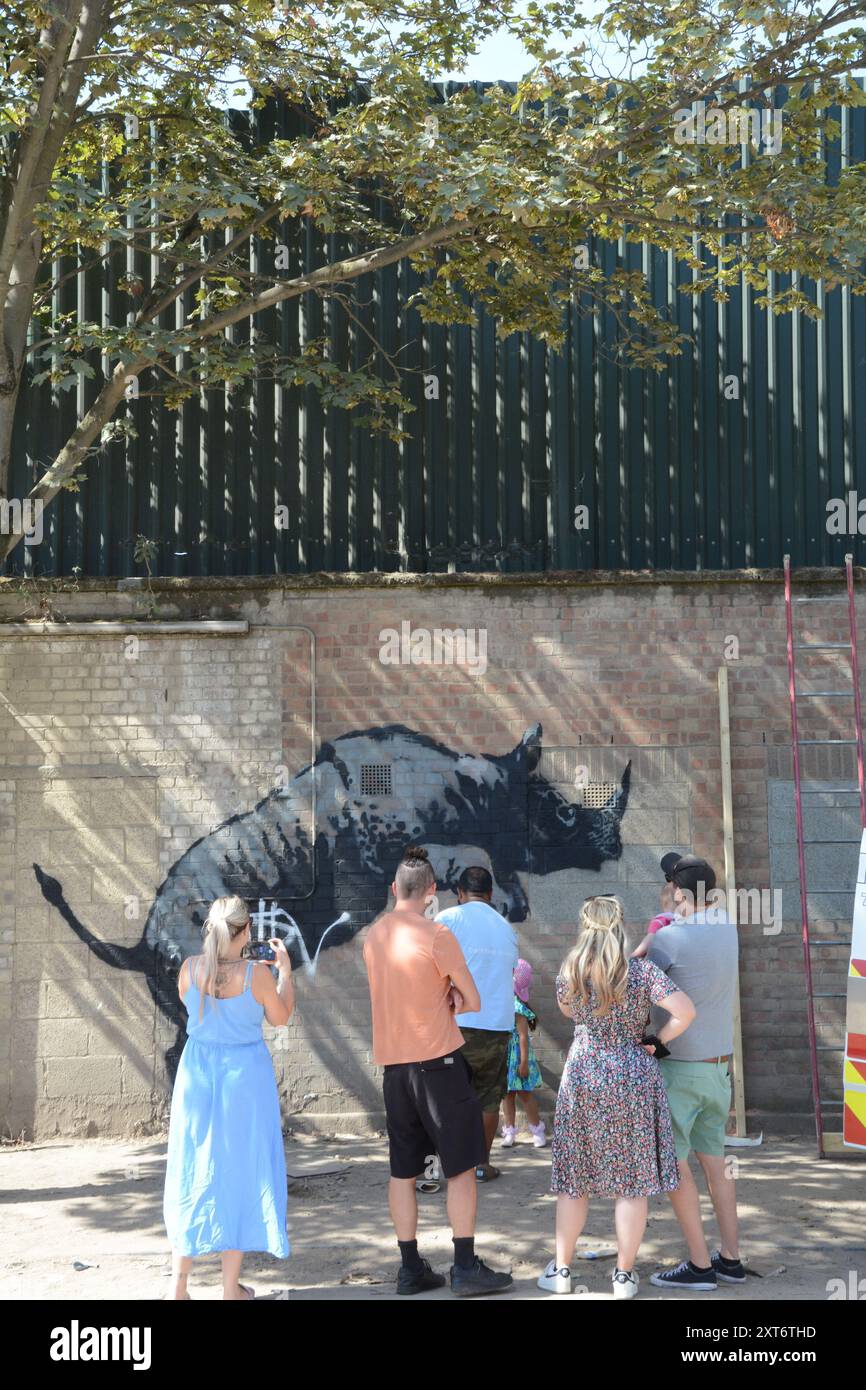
x,y
699,951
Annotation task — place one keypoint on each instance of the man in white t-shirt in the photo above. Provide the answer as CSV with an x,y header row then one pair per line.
x,y
489,944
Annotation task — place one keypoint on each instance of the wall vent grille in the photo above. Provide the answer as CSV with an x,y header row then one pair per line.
x,y
375,779
596,794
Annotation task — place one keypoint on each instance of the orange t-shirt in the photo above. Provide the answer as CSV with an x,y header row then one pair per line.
x,y
409,962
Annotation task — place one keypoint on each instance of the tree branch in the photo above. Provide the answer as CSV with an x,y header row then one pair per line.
x,y
96,418
33,142
151,311
350,269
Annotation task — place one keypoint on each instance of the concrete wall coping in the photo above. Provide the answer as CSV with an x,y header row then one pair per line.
x,y
323,580
120,628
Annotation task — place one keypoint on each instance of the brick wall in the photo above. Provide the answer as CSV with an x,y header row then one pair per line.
x,y
117,758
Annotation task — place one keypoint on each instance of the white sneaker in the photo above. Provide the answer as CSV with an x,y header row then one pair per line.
x,y
509,1134
539,1138
625,1283
555,1280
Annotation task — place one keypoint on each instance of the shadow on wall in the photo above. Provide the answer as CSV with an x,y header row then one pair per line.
x,y
377,791
457,803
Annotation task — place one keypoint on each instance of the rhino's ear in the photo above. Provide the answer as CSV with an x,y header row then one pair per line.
x,y
620,799
528,750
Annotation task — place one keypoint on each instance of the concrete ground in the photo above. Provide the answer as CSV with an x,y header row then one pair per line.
x,y
83,1220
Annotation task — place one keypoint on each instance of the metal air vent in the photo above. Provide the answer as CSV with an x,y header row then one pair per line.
x,y
375,779
596,794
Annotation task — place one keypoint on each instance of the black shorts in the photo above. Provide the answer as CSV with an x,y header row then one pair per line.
x,y
432,1109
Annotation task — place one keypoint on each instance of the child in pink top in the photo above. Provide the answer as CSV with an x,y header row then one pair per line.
x,y
661,919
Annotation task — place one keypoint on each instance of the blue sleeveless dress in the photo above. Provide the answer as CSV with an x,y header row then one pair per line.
x,y
225,1180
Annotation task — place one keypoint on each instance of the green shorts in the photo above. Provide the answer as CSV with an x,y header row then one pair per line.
x,y
699,1096
487,1055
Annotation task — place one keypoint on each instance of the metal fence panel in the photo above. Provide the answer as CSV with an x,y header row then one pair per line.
x,y
674,474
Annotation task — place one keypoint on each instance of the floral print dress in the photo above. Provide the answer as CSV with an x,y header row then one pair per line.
x,y
612,1133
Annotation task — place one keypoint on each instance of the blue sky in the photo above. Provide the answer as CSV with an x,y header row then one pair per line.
x,y
502,57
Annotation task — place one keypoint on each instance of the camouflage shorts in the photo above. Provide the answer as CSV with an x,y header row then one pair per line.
x,y
487,1055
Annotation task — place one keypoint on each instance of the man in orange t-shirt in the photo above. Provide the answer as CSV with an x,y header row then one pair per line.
x,y
418,977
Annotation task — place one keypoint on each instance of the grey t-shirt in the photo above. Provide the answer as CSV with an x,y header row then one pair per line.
x,y
700,955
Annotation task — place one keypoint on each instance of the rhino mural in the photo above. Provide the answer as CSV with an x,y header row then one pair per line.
x,y
376,791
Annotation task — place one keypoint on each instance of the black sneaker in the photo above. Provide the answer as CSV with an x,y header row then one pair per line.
x,y
729,1271
410,1282
480,1279
685,1276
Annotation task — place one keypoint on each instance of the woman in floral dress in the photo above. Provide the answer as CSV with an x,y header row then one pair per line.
x,y
612,1132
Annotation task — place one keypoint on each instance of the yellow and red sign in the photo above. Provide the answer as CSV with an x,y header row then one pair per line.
x,y
854,1074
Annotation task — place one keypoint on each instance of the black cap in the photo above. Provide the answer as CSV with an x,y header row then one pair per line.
x,y
668,863
689,871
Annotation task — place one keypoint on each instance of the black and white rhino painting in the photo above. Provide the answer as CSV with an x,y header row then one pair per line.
x,y
376,791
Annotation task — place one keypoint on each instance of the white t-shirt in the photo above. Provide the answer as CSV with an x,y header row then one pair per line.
x,y
489,943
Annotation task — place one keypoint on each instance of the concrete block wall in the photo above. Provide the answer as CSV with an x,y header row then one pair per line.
x,y
117,758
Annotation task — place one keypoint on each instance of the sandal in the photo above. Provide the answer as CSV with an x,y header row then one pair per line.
x,y
487,1173
426,1185
250,1293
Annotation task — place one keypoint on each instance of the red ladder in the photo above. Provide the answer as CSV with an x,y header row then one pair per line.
x,y
800,791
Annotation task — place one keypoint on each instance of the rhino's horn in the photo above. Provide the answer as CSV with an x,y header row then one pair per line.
x,y
529,747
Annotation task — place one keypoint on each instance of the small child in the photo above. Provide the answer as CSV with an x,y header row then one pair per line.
x,y
524,1075
661,919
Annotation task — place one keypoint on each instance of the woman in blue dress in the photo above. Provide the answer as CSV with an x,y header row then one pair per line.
x,y
225,1181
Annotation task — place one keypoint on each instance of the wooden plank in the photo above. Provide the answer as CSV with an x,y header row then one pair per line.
x,y
835,1146
731,887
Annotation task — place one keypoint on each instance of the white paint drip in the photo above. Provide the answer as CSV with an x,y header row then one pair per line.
x,y
266,918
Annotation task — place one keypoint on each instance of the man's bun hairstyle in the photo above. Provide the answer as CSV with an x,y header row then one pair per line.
x,y
414,875
415,854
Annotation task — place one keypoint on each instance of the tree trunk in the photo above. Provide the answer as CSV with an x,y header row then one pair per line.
x,y
76,448
67,42
16,319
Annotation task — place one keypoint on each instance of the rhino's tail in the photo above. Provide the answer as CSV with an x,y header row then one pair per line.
x,y
124,957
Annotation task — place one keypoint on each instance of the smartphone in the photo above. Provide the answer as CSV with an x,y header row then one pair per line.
x,y
259,950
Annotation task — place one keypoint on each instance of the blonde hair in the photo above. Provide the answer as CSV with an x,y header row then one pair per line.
x,y
227,918
597,963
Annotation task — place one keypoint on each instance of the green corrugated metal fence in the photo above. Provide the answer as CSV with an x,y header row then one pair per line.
x,y
675,476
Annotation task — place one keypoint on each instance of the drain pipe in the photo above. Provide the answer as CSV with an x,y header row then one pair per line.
x,y
302,627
